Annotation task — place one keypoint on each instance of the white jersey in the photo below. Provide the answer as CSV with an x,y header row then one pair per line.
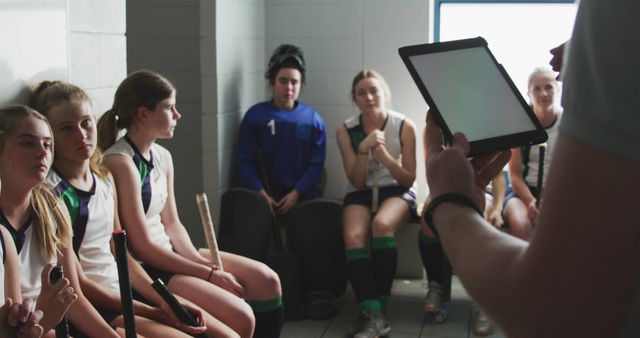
x,y
393,143
534,156
92,214
31,259
153,179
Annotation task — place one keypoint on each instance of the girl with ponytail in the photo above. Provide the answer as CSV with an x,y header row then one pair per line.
x,y
144,105
88,191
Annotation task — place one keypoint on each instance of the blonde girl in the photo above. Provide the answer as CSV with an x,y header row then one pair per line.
x,y
16,317
521,200
378,148
38,221
88,191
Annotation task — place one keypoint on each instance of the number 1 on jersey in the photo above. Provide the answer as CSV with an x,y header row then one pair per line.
x,y
272,125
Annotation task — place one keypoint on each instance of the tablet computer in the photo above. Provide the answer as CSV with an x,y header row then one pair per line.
x,y
470,92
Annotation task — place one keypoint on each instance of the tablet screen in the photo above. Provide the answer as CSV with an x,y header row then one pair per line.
x,y
471,93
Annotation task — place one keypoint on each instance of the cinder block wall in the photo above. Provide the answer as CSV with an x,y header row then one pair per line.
x,y
340,38
216,52
93,51
164,36
97,48
213,52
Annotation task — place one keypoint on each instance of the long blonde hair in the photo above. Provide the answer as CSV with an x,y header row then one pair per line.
x,y
54,229
48,94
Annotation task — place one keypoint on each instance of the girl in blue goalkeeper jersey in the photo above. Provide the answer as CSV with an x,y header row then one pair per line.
x,y
289,135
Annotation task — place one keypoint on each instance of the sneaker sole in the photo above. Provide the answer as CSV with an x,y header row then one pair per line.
x,y
482,333
385,331
431,309
382,333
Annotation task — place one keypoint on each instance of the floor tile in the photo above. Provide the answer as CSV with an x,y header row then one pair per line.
x,y
404,313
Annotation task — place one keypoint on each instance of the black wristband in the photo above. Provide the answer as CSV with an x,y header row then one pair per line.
x,y
448,197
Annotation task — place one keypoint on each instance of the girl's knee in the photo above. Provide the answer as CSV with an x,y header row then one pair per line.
x,y
245,319
271,281
381,228
354,240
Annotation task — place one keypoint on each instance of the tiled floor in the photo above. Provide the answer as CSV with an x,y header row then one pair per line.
x,y
404,315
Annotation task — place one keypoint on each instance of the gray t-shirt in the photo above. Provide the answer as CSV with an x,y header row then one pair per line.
x,y
602,83
602,80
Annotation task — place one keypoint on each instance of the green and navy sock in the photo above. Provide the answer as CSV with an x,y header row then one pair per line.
x,y
269,317
362,279
384,256
432,256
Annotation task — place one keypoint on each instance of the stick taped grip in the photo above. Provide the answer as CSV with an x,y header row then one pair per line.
x,y
207,224
375,190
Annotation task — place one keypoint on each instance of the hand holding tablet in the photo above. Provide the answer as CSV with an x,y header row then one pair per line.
x,y
469,92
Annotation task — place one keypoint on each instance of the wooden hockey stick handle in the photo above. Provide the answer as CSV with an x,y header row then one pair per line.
x,y
207,224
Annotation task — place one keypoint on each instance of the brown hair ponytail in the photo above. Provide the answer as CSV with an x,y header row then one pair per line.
x,y
142,88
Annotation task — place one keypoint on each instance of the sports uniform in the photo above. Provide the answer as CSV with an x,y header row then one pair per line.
x,y
530,156
292,144
371,274
31,259
92,215
389,187
154,193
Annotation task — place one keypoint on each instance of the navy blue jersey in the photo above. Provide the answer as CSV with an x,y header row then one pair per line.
x,y
292,144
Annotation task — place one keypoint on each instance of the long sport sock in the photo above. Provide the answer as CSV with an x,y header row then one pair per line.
x,y
384,256
432,256
362,279
269,317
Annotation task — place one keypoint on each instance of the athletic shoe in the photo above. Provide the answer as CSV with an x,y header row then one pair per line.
x,y
357,324
433,300
482,325
374,326
440,316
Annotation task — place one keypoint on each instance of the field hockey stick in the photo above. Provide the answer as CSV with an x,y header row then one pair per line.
x,y
542,148
120,242
207,224
375,191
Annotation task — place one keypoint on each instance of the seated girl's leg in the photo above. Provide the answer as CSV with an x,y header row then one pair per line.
x,y
149,328
356,223
259,281
439,274
432,255
231,310
262,290
393,213
122,333
516,216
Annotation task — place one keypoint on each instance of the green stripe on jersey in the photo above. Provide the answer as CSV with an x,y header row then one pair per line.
x,y
144,171
70,198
